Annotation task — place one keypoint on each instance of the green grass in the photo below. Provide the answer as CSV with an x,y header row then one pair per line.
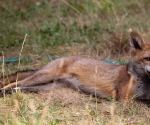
x,y
65,22
89,28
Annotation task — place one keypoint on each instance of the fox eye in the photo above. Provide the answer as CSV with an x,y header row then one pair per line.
x,y
147,58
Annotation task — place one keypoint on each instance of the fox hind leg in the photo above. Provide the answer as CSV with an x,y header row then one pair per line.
x,y
36,79
60,83
20,75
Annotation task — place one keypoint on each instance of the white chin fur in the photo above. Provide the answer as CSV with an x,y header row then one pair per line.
x,y
147,68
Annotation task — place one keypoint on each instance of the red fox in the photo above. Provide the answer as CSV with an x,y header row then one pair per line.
x,y
91,76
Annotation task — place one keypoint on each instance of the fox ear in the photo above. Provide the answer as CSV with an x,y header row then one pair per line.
x,y
136,41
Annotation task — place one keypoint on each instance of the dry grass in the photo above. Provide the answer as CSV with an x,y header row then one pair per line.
x,y
68,107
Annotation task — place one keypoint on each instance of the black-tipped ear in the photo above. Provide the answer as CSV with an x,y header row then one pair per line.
x,y
136,42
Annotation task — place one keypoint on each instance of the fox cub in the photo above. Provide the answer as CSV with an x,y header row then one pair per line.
x,y
91,76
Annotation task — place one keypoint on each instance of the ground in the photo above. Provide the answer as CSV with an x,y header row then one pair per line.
x,y
87,28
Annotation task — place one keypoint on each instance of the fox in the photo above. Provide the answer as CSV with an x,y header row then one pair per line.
x,y
91,76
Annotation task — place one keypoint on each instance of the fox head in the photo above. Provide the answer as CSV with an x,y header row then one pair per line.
x,y
139,66
140,52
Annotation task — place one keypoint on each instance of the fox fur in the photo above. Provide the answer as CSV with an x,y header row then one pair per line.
x,y
91,76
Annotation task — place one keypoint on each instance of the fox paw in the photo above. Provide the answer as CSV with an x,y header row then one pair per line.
x,y
1,85
5,91
2,92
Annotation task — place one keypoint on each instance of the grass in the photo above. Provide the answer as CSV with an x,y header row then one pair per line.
x,y
88,28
